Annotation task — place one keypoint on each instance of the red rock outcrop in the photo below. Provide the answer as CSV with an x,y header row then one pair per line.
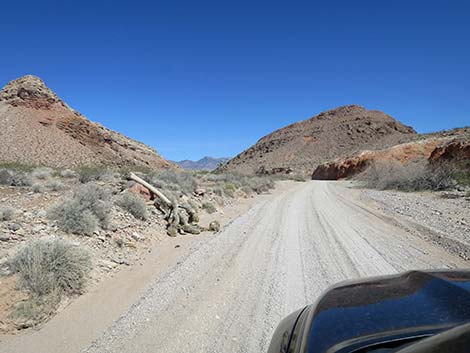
x,y
452,151
350,166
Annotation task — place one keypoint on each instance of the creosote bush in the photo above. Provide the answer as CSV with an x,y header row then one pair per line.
x,y
49,269
133,204
88,208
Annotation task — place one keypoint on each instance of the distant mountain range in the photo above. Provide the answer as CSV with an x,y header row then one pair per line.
x,y
206,163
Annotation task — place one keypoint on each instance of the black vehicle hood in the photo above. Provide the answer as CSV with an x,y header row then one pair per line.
x,y
405,302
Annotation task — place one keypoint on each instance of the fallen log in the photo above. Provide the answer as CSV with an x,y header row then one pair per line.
x,y
151,188
180,218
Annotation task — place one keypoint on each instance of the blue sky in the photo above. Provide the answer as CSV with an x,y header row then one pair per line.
x,y
195,78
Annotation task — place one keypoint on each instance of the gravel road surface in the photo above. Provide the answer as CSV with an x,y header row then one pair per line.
x,y
230,292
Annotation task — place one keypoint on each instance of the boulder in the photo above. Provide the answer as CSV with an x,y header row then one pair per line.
x,y
141,191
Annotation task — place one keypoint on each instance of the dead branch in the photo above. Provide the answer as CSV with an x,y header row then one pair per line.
x,y
151,188
181,218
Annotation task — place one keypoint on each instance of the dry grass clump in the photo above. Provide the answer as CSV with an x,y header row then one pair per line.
x,y
133,204
6,213
411,176
49,269
88,208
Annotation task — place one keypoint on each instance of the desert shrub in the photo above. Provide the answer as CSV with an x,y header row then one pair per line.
x,y
230,186
54,185
6,213
5,177
176,181
260,184
229,189
68,173
133,204
214,226
194,205
18,167
248,184
462,175
209,207
88,208
411,176
90,173
37,188
10,177
36,309
218,191
42,173
48,266
298,177
48,269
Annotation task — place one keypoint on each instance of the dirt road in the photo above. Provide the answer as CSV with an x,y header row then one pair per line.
x,y
230,291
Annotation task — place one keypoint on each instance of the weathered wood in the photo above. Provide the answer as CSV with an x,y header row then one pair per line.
x,y
152,188
181,218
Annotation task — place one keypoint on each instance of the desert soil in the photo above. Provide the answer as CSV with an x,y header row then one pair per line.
x,y
226,293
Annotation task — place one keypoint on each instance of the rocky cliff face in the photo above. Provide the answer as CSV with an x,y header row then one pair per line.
x,y
39,128
302,146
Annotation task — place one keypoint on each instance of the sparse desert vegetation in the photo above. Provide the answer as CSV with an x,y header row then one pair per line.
x,y
87,209
133,204
48,270
209,207
411,176
6,213
52,215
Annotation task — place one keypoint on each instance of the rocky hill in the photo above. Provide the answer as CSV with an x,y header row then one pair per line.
x,y
206,163
302,146
39,128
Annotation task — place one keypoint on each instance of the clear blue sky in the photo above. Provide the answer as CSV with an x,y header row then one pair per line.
x,y
195,78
